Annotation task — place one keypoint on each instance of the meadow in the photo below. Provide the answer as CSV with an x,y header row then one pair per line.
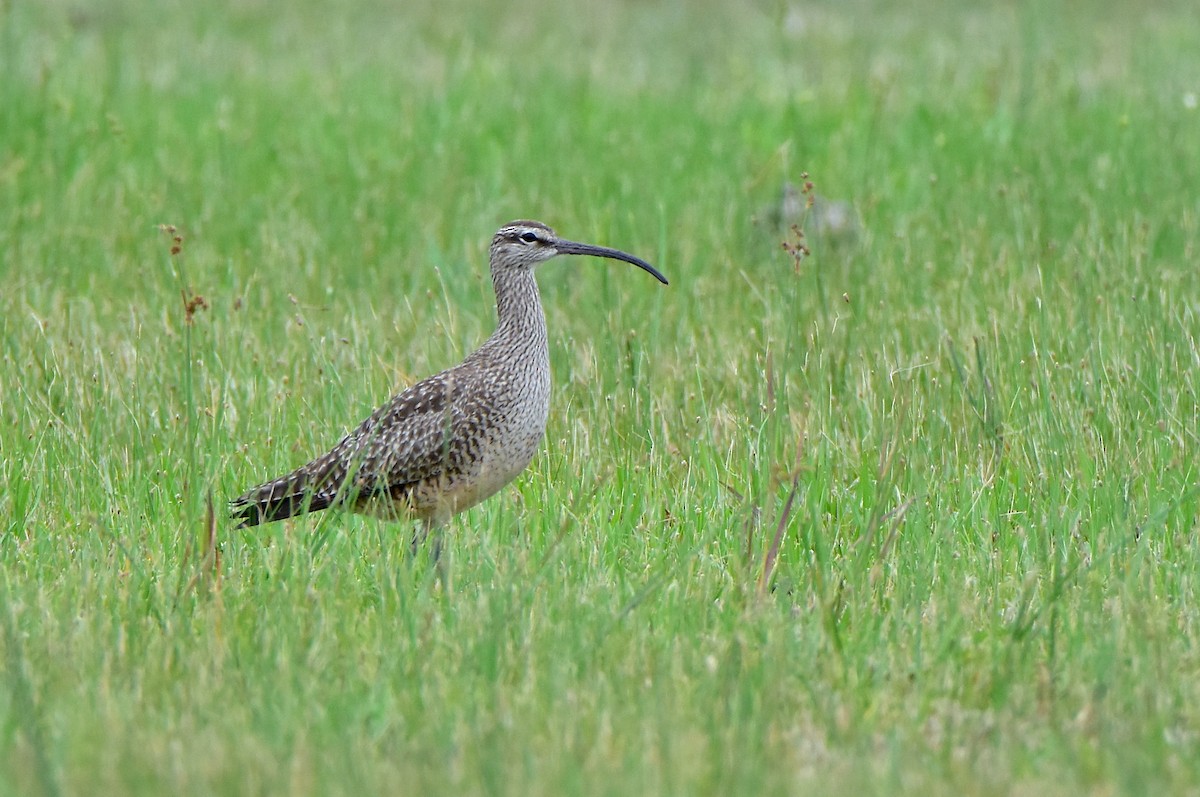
x,y
914,514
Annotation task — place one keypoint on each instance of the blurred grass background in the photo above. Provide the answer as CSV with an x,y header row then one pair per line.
x,y
971,425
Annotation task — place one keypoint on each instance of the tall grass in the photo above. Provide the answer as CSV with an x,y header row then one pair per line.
x,y
916,513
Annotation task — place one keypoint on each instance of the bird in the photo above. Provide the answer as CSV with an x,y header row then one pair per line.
x,y
456,438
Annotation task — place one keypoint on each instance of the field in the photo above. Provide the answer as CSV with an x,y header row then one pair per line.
x,y
915,514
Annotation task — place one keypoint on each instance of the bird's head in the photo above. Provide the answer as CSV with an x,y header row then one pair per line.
x,y
525,244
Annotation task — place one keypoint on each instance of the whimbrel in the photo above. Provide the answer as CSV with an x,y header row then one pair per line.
x,y
454,439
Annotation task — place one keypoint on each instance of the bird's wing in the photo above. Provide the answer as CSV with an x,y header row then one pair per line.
x,y
422,433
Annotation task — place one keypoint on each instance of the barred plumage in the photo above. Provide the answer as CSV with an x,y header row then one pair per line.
x,y
454,439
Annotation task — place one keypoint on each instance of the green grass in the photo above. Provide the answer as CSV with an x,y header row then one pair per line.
x,y
971,434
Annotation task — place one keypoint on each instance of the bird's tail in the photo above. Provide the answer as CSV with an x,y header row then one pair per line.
x,y
305,489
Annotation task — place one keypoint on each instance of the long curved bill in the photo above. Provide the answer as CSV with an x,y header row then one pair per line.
x,y
574,248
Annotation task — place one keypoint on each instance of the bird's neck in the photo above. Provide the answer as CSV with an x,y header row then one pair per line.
x,y
519,308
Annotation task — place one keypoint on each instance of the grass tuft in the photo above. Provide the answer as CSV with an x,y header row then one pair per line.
x,y
906,506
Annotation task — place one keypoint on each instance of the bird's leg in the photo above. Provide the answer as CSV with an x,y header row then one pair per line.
x,y
441,564
418,537
426,529
436,553
432,529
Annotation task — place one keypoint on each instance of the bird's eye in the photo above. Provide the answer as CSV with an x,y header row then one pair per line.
x,y
528,237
